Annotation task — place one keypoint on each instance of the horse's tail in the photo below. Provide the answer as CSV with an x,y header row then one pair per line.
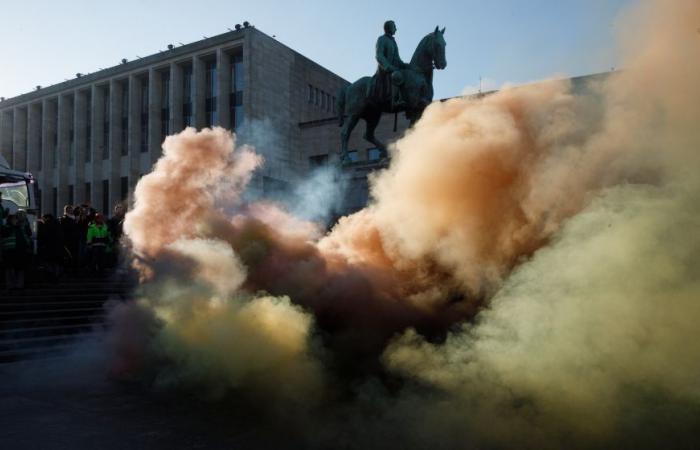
x,y
341,105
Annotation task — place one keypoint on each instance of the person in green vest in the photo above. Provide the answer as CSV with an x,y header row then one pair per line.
x,y
98,240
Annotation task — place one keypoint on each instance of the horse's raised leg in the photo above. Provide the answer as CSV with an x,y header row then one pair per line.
x,y
345,137
372,120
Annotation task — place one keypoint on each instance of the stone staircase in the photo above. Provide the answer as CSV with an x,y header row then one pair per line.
x,y
47,317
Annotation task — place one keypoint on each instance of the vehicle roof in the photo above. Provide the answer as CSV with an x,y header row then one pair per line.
x,y
6,170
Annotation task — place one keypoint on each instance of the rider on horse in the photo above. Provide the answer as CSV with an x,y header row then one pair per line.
x,y
395,87
388,81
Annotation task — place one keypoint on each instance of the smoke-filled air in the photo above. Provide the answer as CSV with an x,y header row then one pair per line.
x,y
526,274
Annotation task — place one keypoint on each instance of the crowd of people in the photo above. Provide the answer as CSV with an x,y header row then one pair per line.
x,y
81,240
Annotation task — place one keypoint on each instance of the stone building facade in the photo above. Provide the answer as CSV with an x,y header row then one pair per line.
x,y
92,137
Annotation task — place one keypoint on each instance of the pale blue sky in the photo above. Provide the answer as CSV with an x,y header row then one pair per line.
x,y
45,42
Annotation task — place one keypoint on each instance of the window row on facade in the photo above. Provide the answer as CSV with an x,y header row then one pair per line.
x,y
132,114
372,154
74,198
90,144
318,97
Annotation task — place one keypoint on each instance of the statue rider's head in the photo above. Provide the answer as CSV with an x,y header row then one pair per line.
x,y
389,27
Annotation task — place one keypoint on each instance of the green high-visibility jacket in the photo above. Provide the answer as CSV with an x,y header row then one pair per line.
x,y
98,235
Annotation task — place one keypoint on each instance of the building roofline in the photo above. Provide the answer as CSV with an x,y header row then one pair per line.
x,y
574,80
147,61
301,55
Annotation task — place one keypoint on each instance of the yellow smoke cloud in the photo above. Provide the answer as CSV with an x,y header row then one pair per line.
x,y
594,341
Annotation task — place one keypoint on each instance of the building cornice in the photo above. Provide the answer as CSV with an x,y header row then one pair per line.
x,y
104,75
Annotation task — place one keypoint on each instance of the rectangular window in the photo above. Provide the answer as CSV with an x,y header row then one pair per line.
x,y
88,193
323,100
373,154
310,94
88,128
236,94
71,194
71,148
318,161
165,106
124,141
187,86
54,201
124,191
144,118
240,73
210,97
55,151
105,197
333,104
353,156
105,123
317,98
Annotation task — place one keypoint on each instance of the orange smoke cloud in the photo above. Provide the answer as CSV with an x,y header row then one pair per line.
x,y
479,185
492,255
196,171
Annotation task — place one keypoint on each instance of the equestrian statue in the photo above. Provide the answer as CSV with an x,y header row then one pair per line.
x,y
395,87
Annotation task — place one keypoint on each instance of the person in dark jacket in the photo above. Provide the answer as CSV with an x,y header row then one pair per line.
x,y
14,242
82,221
69,230
116,228
51,247
3,216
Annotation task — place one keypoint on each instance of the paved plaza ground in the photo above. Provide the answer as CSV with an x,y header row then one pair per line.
x,y
69,404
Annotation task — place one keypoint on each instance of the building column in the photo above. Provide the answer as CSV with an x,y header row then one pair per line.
x,y
81,145
6,122
4,133
223,75
65,119
175,98
200,92
19,139
155,99
48,151
34,137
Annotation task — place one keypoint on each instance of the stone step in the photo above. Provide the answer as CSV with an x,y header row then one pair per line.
x,y
46,318
59,328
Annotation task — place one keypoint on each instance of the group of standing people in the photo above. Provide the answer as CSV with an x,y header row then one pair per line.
x,y
80,240
16,246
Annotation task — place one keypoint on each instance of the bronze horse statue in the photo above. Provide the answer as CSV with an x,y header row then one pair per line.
x,y
356,101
